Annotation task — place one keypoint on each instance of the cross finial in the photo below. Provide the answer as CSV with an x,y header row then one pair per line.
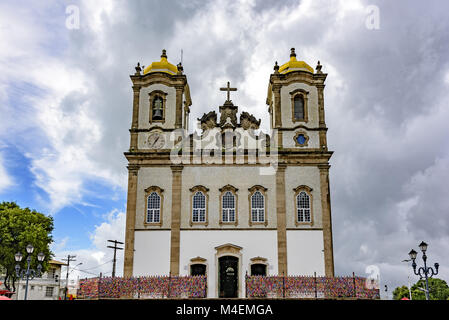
x,y
228,89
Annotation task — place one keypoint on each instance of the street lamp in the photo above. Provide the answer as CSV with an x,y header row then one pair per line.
x,y
28,273
423,272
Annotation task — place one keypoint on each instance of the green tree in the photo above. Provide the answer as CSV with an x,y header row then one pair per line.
x,y
18,228
438,290
401,292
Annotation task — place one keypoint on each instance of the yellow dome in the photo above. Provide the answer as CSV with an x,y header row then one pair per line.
x,y
294,65
162,66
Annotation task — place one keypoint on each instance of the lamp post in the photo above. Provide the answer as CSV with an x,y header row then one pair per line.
x,y
28,273
423,272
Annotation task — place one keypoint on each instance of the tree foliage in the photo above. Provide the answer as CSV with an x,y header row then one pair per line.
x,y
438,290
18,228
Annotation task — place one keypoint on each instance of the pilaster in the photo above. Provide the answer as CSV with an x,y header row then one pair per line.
x,y
175,219
130,220
327,221
135,119
281,219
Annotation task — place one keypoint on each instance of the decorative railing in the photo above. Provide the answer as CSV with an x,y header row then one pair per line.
x,y
310,287
143,287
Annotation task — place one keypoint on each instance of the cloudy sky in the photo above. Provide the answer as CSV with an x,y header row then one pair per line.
x,y
66,100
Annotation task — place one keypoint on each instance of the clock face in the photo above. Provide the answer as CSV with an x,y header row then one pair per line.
x,y
156,141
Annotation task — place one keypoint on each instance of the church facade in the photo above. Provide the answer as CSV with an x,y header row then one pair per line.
x,y
228,200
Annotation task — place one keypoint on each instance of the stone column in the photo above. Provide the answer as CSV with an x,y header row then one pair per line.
x,y
178,116
322,122
130,220
327,220
277,106
175,219
281,220
135,120
278,113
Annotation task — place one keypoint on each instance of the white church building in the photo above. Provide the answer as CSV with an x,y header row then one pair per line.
x,y
231,200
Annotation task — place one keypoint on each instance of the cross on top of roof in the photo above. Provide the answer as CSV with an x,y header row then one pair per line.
x,y
228,89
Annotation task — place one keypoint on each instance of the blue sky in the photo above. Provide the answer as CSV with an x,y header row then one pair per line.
x,y
66,99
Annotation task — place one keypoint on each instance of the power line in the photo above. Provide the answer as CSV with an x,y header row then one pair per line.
x,y
115,251
99,265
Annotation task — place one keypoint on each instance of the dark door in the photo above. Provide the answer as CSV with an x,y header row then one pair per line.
x,y
228,277
198,269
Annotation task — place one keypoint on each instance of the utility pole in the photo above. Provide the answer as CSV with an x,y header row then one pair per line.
x,y
115,252
69,259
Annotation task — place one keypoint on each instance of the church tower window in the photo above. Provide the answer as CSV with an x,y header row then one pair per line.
x,y
154,200
157,106
303,204
299,105
199,205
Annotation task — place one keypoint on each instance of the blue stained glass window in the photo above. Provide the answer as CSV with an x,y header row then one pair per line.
x,y
301,139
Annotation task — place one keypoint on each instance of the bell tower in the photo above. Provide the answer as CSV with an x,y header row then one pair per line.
x,y
296,106
161,102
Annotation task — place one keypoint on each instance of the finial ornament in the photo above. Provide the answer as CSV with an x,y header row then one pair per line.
x,y
164,53
292,52
180,68
318,67
276,67
138,68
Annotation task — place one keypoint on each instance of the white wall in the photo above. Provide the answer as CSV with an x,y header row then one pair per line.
x,y
305,253
152,253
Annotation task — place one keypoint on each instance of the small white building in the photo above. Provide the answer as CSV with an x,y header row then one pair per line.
x,y
47,287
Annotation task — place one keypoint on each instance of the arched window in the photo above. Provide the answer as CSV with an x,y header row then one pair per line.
x,y
228,207
157,104
303,204
298,103
199,207
158,108
303,199
154,208
257,207
299,98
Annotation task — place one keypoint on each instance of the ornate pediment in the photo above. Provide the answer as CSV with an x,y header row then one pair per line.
x,y
248,121
208,120
228,115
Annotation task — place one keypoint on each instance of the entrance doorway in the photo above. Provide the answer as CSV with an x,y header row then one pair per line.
x,y
228,277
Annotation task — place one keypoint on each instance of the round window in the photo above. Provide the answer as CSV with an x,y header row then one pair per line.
x,y
301,139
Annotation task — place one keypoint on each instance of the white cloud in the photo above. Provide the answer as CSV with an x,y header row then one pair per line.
x,y
98,258
5,179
